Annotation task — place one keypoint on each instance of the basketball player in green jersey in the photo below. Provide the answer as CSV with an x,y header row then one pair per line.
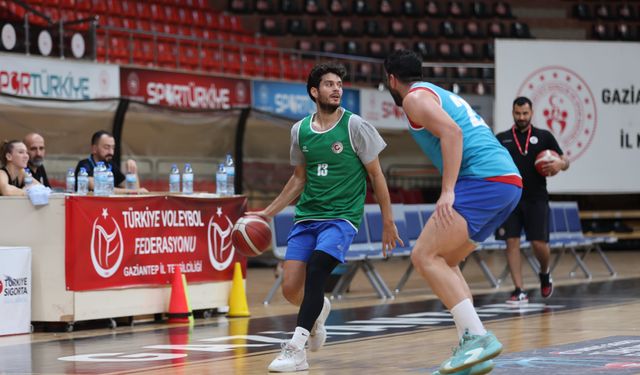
x,y
333,151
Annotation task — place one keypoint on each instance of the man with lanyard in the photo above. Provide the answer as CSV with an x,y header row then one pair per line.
x,y
103,146
524,142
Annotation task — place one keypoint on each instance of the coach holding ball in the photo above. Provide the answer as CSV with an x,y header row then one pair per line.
x,y
525,142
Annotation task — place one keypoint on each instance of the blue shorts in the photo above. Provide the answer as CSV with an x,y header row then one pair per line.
x,y
485,205
331,236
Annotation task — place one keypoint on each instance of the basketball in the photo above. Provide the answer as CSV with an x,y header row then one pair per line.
x,y
543,158
251,235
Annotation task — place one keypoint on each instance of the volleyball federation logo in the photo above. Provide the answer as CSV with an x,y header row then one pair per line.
x,y
564,105
107,246
221,250
337,147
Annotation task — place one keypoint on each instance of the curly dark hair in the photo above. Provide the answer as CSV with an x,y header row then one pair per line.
x,y
315,76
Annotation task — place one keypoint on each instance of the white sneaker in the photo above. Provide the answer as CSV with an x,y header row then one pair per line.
x,y
290,359
318,334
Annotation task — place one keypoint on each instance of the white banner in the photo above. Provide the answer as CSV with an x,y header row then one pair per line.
x,y
51,78
15,290
588,95
379,109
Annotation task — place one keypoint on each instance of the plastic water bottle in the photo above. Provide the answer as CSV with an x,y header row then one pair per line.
x,y
83,182
109,182
221,180
174,179
131,181
187,179
28,177
71,181
99,179
230,169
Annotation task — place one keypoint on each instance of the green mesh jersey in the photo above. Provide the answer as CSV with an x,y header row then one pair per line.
x,y
336,178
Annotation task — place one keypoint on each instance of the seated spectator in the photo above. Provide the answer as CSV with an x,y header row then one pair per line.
x,y
14,160
409,8
36,151
398,28
348,28
103,145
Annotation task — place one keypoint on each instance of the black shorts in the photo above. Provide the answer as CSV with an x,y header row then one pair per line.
x,y
533,215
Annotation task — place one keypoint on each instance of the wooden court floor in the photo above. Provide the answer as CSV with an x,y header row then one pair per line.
x,y
587,327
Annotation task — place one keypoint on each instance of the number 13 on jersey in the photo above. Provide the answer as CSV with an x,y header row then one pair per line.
x,y
323,169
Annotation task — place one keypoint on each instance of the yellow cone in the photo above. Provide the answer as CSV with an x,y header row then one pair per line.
x,y
238,298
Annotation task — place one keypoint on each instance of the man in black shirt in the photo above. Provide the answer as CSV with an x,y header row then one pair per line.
x,y
36,151
524,142
103,146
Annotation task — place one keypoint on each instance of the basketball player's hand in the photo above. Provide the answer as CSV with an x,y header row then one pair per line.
x,y
262,214
390,237
444,209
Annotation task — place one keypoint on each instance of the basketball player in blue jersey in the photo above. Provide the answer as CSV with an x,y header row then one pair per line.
x,y
480,187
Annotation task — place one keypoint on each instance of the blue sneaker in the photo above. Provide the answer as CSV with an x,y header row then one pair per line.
x,y
479,369
473,349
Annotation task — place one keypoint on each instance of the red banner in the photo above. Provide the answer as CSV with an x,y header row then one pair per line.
x,y
131,241
185,91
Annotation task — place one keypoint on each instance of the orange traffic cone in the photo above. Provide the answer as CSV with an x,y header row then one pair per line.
x,y
179,310
238,298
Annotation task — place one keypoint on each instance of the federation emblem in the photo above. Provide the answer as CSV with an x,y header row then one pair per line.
x,y
107,245
337,147
564,105
221,250
133,83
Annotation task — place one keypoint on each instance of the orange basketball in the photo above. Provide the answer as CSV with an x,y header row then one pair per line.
x,y
251,235
543,158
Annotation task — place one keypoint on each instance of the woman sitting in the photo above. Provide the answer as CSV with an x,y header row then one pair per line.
x,y
14,159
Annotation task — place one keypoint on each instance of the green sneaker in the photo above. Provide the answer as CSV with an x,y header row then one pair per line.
x,y
473,349
479,369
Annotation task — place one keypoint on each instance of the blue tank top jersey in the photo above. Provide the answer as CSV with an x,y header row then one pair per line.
x,y
482,155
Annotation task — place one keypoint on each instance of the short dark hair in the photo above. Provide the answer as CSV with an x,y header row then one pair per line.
x,y
315,76
7,148
95,138
522,100
405,65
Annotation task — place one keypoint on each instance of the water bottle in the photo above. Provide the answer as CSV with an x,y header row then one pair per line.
x,y
221,180
28,177
83,182
71,181
230,170
99,177
187,179
109,182
174,179
131,181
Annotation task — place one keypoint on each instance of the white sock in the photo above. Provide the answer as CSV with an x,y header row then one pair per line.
x,y
467,318
299,339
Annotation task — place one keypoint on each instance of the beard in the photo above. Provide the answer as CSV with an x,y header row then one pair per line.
x,y
327,107
108,158
397,98
523,124
37,162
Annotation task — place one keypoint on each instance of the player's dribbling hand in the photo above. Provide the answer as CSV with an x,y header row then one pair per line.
x,y
443,214
262,214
